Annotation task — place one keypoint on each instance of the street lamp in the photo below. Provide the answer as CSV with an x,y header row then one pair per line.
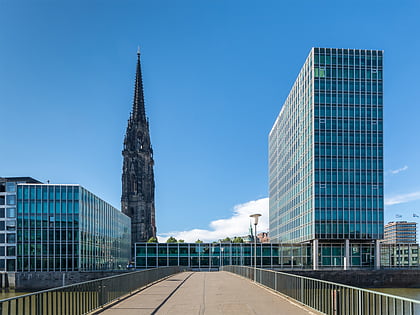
x,y
255,216
222,249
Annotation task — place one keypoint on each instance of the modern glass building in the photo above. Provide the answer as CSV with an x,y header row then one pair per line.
x,y
63,228
214,255
274,256
326,151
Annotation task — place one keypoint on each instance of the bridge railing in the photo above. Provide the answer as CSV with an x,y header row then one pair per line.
x,y
84,297
329,297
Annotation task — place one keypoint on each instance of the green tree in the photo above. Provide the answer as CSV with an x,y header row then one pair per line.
x,y
171,240
199,241
226,240
238,239
153,240
181,241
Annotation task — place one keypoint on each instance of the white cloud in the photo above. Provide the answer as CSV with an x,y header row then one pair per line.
x,y
403,198
236,225
399,170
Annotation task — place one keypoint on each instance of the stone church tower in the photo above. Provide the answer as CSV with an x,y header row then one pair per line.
x,y
138,183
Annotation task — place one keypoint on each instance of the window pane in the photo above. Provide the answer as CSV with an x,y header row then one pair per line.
x,y
10,187
11,200
10,225
11,238
11,251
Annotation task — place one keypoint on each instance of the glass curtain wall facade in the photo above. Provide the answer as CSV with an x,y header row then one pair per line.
x,y
67,228
291,174
214,255
274,256
326,150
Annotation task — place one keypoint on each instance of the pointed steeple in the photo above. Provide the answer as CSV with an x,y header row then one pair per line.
x,y
138,184
138,113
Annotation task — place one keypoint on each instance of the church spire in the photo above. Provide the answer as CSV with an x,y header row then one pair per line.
x,y
138,113
138,183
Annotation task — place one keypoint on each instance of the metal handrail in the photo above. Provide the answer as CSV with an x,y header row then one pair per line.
x,y
329,297
83,297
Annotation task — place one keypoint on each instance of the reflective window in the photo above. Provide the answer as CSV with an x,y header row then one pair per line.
x,y
10,225
11,200
11,251
11,238
10,187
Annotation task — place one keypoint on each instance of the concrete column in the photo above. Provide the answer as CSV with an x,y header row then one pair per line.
x,y
347,262
377,254
409,254
315,254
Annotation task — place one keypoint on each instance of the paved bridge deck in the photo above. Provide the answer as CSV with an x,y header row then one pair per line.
x,y
210,293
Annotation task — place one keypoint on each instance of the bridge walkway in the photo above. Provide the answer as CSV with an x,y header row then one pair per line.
x,y
206,293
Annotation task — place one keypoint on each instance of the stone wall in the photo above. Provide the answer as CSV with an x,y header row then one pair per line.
x,y
402,278
35,281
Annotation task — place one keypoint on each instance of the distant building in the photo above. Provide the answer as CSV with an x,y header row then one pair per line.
x,y
247,238
138,184
399,255
46,227
400,232
263,237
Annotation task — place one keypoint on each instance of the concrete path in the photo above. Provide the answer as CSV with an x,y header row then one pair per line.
x,y
209,293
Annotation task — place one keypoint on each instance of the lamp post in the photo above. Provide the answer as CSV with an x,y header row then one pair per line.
x,y
255,216
222,250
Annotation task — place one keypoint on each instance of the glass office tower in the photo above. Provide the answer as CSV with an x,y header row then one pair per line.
x,y
326,151
67,228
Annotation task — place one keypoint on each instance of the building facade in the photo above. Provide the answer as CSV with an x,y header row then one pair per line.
x,y
62,228
400,255
8,224
326,152
274,256
138,184
400,232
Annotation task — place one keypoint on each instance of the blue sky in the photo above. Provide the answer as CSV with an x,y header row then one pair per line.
x,y
216,74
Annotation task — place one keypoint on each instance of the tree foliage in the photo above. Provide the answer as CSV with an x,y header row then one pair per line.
x,y
171,240
238,239
199,241
225,240
153,240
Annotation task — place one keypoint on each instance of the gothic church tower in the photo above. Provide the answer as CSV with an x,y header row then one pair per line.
x,y
138,183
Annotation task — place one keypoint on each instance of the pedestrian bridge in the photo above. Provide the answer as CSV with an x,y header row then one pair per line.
x,y
206,293
234,290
